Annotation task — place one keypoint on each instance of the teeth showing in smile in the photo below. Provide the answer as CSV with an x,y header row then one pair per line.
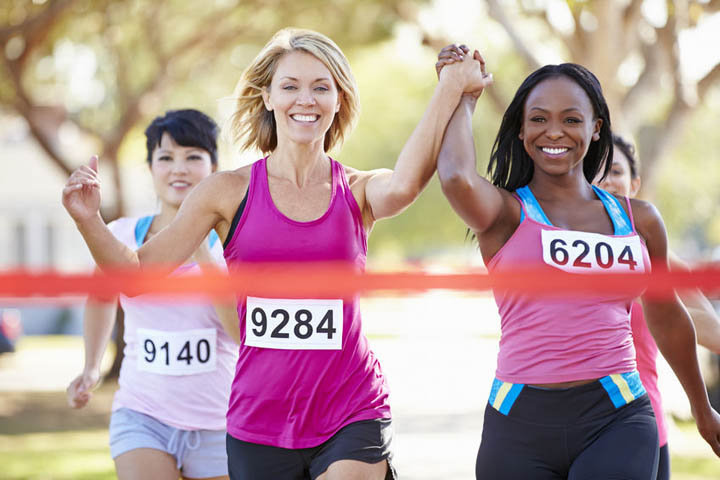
x,y
304,118
179,184
554,151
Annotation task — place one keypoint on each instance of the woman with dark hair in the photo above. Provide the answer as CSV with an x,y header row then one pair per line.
x,y
157,429
567,401
623,180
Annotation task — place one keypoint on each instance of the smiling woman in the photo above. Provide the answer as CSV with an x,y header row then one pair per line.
x,y
567,400
309,399
171,348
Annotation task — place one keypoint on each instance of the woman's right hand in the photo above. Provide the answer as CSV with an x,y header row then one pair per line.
x,y
449,55
79,392
81,195
469,72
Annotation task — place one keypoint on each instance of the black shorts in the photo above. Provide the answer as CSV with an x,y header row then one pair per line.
x,y
366,441
664,464
592,431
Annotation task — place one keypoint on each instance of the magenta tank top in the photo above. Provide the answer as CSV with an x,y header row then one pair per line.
x,y
565,338
305,369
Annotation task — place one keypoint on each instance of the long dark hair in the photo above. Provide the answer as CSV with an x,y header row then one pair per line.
x,y
510,165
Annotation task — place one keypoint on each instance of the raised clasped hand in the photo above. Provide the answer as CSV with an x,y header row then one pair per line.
x,y
470,69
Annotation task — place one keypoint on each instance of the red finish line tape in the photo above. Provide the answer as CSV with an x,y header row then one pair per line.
x,y
327,281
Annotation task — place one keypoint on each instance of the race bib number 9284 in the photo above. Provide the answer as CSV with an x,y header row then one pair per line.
x,y
582,252
294,324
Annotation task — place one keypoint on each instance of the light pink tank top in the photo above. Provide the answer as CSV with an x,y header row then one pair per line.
x,y
305,368
178,362
574,337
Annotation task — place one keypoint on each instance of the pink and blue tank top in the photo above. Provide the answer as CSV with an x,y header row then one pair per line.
x,y
178,362
305,369
567,337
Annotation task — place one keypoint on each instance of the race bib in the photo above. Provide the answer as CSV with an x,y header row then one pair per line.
x,y
186,352
582,252
294,324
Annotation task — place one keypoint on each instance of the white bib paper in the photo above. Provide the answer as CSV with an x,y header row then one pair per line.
x,y
583,252
294,324
185,352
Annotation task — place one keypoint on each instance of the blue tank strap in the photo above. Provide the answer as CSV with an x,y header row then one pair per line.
x,y
141,229
143,226
533,208
213,238
618,216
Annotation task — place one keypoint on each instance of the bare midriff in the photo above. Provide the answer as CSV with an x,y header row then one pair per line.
x,y
575,383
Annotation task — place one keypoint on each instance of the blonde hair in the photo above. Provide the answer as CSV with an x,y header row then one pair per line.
x,y
253,126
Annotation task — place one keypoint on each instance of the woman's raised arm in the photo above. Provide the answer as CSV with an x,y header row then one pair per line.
x,y
172,246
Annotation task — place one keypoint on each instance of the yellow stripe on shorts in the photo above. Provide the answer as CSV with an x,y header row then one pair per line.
x,y
501,394
623,387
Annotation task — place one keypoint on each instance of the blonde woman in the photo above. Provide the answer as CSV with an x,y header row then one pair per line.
x,y
309,399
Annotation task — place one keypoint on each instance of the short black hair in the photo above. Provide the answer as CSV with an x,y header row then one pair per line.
x,y
188,127
628,149
510,165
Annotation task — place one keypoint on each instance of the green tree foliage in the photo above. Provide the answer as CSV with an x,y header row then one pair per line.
x,y
143,56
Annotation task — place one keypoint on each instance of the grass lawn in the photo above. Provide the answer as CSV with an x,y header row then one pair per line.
x,y
57,455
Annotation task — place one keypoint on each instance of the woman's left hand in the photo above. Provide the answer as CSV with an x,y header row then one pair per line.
x,y
456,53
709,427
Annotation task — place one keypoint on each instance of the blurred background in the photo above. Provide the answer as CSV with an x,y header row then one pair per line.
x,y
79,77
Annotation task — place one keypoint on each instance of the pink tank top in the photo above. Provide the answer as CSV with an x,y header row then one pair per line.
x,y
566,338
305,368
178,362
647,352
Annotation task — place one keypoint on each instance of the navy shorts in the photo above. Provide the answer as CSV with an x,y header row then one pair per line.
x,y
366,441
601,430
664,464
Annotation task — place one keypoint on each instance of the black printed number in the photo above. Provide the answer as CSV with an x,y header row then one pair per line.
x,y
326,325
277,332
626,258
303,328
259,319
202,351
555,250
608,254
585,249
604,255
185,354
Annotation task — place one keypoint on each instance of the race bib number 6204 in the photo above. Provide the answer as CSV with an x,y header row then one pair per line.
x,y
294,324
581,252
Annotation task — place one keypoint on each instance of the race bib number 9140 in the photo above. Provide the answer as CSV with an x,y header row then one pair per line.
x,y
294,324
184,352
582,252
